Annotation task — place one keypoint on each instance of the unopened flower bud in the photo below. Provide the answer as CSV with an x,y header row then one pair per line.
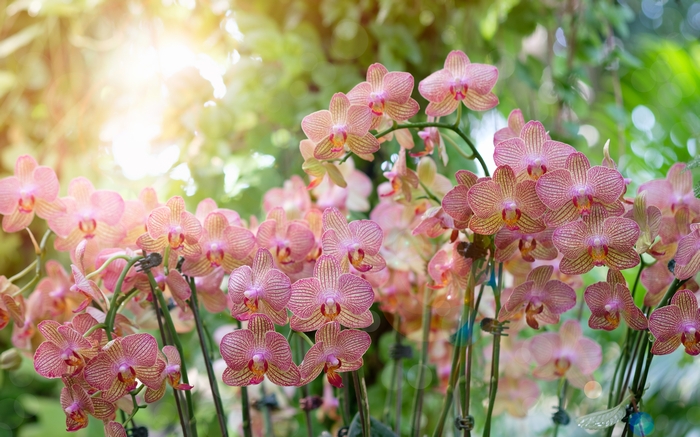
x,y
426,170
10,360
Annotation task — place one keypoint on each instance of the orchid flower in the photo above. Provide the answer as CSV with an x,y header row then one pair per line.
x,y
171,374
335,352
252,353
208,205
611,300
542,299
174,227
504,202
512,130
288,241
356,243
385,93
33,188
571,192
456,201
688,254
223,245
209,291
449,270
114,429
648,218
293,197
432,139
344,127
353,197
55,288
402,178
516,396
328,296
595,241
676,324
123,361
9,307
459,81
261,289
87,287
65,351
537,246
566,353
77,404
673,193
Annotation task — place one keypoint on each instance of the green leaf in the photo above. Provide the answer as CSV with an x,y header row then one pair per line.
x,y
377,428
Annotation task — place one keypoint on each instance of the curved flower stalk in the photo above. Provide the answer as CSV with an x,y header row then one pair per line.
x,y
677,324
572,192
541,299
335,352
566,353
328,296
260,289
32,189
256,352
531,153
459,81
609,301
356,243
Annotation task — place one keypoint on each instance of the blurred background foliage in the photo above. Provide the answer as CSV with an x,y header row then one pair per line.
x,y
204,98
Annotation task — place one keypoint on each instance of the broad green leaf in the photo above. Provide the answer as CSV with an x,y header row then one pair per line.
x,y
377,428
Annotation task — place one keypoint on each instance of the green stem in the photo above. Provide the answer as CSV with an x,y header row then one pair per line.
x,y
26,270
304,337
266,414
363,407
93,329
112,312
194,305
247,432
106,264
429,193
422,365
642,264
493,388
451,127
466,367
562,399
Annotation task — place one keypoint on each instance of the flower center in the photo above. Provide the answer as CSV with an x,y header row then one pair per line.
x,y
72,359
87,226
598,251
284,254
527,245
356,255
258,365
339,136
532,310
561,366
26,201
331,366
583,201
215,255
511,214
691,341
76,414
612,315
176,238
251,299
330,309
536,168
173,372
377,102
127,375
459,89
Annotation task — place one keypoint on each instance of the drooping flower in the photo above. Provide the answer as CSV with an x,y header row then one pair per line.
x,y
677,324
504,202
673,193
566,353
33,188
611,300
222,244
385,93
65,351
595,241
328,296
402,178
77,404
571,192
356,243
344,127
432,139
538,246
171,374
515,126
261,289
288,241
688,254
87,287
456,201
121,362
10,309
532,153
90,214
252,353
459,81
172,226
542,299
335,352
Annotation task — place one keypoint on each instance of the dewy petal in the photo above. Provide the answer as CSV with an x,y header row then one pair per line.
x,y
436,87
368,234
304,300
607,183
237,348
352,345
356,293
317,125
554,188
479,102
481,77
446,106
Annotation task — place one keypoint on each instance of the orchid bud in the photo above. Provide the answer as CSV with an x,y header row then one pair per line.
x,y
426,170
10,360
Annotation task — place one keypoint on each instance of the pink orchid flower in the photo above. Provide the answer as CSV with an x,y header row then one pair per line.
x,y
673,193
542,299
209,291
293,197
566,353
385,93
335,352
55,289
456,201
432,139
516,122
677,324
11,308
179,289
538,246
354,197
459,81
571,192
135,217
90,214
648,218
516,396
435,221
504,202
330,295
65,351
449,270
33,188
261,289
356,243
208,205
172,226
77,404
610,300
222,246
595,241
252,353
87,287
121,362
402,178
656,279
171,373
114,429
344,127
288,241
688,254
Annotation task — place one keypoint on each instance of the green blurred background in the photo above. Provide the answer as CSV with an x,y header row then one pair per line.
x,y
204,99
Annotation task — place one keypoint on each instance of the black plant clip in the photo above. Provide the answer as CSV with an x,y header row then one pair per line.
x,y
629,411
560,417
149,262
343,432
267,401
463,423
137,431
493,326
671,266
310,403
399,351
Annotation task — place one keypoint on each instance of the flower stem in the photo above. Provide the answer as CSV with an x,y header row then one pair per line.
x,y
112,312
422,365
26,270
247,432
221,416
305,388
429,193
493,388
106,264
361,394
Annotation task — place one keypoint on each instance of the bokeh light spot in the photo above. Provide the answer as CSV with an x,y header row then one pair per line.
x,y
593,389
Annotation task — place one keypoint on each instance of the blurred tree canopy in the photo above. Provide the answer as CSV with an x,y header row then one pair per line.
x,y
205,98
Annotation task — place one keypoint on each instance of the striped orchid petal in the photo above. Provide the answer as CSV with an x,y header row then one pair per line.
x,y
356,244
688,254
677,324
610,301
